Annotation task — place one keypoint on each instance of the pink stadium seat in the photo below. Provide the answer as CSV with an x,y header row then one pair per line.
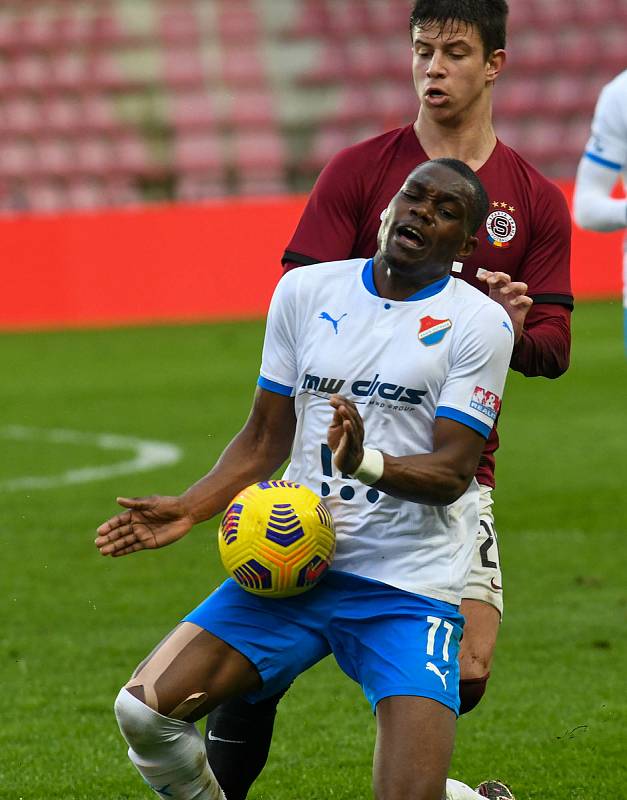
x,y
387,18
312,21
516,96
85,194
45,197
106,30
260,160
17,158
94,156
32,31
251,107
21,114
105,72
330,67
237,23
69,29
97,114
183,66
30,72
121,190
561,95
366,59
574,48
179,24
398,59
348,20
326,143
238,71
394,105
61,114
532,50
131,156
191,109
200,152
68,70
354,105
55,157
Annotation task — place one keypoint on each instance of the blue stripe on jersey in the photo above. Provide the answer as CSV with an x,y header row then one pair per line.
x,y
465,419
273,386
428,291
603,161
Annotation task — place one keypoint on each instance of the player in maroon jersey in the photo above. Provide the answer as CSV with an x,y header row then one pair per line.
x,y
458,53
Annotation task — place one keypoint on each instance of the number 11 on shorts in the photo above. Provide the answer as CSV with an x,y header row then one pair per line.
x,y
435,623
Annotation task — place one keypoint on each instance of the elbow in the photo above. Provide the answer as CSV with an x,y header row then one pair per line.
x,y
453,486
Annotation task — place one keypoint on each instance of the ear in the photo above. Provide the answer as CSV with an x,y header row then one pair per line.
x,y
468,248
494,65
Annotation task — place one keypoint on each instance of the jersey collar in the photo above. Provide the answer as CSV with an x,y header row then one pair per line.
x,y
433,288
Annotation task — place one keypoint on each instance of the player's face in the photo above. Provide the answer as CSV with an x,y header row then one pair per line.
x,y
450,68
426,223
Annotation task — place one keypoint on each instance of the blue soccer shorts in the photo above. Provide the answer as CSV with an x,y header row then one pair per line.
x,y
389,641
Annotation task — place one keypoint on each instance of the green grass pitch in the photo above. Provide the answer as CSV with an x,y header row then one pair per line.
x,y
75,624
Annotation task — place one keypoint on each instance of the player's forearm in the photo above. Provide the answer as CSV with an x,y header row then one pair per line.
x,y
544,347
593,206
249,458
428,479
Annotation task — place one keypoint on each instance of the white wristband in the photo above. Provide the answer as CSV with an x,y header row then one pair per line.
x,y
371,468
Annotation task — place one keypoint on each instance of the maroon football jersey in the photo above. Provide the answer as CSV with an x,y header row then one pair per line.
x,y
525,234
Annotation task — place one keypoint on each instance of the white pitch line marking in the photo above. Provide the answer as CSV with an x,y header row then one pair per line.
x,y
147,454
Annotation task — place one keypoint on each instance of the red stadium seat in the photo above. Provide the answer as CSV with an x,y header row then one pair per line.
x,y
85,193
259,153
97,114
69,29
200,165
45,197
68,71
313,20
30,72
237,24
94,156
326,143
132,157
354,105
330,67
61,114
238,71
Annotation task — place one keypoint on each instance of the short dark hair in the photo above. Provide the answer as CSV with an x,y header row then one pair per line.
x,y
482,202
489,17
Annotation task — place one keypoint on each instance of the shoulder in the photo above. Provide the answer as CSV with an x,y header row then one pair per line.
x,y
325,274
542,194
616,89
474,308
364,152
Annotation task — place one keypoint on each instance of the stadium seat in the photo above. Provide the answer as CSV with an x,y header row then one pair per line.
x,y
260,160
61,114
94,156
312,21
70,29
68,71
250,107
330,67
132,157
238,71
97,113
30,72
21,114
200,166
327,141
183,66
191,109
354,105
179,24
55,157
237,22
45,197
85,193
17,158
394,104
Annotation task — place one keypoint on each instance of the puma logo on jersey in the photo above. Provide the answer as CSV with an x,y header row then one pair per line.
x,y
442,676
334,322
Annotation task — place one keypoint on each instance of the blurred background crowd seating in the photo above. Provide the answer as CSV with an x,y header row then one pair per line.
x,y
117,102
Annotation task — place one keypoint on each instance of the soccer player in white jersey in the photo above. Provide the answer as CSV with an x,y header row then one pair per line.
x,y
397,370
603,162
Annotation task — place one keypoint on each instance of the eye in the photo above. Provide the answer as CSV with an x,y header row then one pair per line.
x,y
457,56
422,53
409,195
447,213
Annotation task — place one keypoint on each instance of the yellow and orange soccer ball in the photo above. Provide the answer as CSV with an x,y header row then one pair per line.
x,y
276,539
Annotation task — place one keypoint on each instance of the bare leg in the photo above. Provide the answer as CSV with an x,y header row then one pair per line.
x,y
477,649
415,737
189,673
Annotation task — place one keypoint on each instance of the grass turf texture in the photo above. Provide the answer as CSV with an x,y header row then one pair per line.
x,y
75,624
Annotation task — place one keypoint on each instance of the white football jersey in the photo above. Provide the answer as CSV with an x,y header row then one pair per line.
x,y
443,352
608,141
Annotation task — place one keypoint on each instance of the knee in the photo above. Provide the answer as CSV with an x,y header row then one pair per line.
x,y
471,690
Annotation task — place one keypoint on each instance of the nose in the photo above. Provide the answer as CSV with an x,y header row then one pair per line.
x,y
435,67
422,209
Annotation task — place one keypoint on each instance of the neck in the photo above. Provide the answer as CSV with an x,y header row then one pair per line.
x,y
394,285
468,137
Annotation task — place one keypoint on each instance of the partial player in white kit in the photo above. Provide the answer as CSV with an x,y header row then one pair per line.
x,y
383,377
605,161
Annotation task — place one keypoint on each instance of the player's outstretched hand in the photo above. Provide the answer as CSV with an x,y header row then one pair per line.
x,y
345,435
511,295
150,522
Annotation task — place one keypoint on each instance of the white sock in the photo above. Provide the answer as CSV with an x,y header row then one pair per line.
x,y
168,753
456,790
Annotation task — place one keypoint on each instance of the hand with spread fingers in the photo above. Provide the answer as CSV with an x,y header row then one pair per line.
x,y
511,295
149,523
345,435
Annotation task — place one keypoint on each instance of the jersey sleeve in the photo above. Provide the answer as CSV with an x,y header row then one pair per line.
x,y
328,226
279,369
607,145
473,388
546,267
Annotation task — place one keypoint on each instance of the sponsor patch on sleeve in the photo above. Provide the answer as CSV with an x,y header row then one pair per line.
x,y
486,402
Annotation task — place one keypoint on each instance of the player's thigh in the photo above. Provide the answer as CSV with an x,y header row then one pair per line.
x,y
190,672
415,737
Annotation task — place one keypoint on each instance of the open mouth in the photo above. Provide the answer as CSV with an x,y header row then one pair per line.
x,y
435,95
410,235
